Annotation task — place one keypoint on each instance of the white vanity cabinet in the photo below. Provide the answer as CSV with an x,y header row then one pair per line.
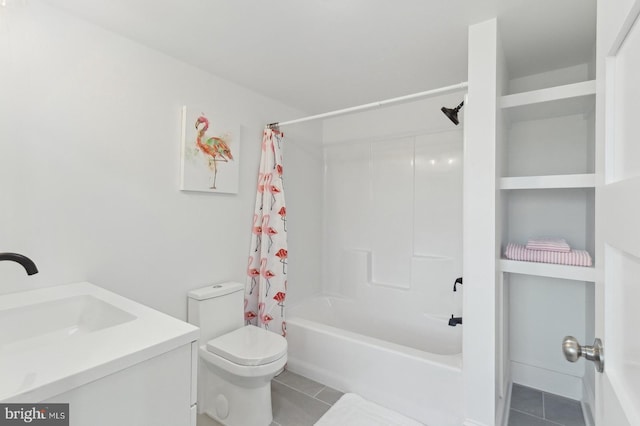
x,y
113,360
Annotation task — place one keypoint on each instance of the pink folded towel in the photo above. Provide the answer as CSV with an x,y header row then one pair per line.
x,y
573,257
548,244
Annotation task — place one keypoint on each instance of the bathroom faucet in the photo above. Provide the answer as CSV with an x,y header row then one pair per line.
x,y
457,281
26,263
453,321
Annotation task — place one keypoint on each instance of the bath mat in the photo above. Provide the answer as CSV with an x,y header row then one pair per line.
x,y
353,410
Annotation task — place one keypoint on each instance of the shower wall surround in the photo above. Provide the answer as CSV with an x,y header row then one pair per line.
x,y
393,208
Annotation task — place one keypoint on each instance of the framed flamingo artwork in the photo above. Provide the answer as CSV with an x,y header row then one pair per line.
x,y
210,154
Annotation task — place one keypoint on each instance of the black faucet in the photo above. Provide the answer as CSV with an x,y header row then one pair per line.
x,y
458,281
453,321
26,263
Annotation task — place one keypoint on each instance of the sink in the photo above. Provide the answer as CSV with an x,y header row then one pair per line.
x,y
51,322
55,339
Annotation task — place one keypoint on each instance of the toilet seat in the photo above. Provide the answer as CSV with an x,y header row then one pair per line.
x,y
241,371
249,346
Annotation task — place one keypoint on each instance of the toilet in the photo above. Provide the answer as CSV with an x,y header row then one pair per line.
x,y
236,361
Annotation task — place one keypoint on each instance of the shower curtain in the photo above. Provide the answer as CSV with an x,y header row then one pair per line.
x,y
266,285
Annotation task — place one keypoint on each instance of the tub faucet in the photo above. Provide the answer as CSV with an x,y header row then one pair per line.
x,y
453,321
26,263
457,281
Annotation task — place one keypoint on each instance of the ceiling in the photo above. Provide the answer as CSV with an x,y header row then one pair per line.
x,y
320,55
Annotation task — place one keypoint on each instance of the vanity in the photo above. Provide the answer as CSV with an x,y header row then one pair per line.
x,y
115,361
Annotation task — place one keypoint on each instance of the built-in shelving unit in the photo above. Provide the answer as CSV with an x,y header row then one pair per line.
x,y
578,273
546,156
550,102
525,109
586,180
545,175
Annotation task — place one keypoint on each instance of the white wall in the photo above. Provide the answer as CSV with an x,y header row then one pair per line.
x,y
556,77
393,207
543,312
479,222
89,166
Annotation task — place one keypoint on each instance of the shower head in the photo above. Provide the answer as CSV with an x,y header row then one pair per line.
x,y
452,113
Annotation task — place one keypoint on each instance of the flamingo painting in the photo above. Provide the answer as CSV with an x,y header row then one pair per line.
x,y
210,152
216,149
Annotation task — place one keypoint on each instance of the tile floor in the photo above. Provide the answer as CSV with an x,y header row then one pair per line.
x,y
296,401
531,407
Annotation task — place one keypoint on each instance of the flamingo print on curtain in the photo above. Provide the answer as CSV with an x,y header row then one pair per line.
x,y
266,286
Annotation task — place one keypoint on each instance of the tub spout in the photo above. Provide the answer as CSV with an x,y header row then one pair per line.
x,y
26,263
457,281
453,321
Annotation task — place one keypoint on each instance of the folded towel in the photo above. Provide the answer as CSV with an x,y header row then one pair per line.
x,y
548,244
574,257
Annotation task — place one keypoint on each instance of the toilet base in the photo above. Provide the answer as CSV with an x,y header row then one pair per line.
x,y
233,400
233,405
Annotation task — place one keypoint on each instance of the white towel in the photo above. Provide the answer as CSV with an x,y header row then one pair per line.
x,y
574,257
548,244
353,410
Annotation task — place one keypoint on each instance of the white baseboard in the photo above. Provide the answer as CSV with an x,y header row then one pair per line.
x,y
547,380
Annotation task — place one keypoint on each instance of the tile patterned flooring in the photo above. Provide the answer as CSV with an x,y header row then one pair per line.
x,y
531,407
296,401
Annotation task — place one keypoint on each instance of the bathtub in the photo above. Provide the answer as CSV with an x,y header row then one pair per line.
x,y
408,363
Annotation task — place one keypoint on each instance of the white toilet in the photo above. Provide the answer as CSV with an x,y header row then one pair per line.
x,y
236,362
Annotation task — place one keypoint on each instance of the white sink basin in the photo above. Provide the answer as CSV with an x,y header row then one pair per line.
x,y
47,323
56,339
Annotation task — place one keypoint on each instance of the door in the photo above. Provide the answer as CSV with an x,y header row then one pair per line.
x,y
618,230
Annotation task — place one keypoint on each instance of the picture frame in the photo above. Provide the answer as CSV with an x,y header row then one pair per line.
x,y
210,152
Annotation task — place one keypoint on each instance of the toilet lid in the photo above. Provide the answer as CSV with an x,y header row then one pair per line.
x,y
249,345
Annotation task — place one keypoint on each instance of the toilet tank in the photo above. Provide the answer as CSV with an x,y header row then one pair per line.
x,y
217,309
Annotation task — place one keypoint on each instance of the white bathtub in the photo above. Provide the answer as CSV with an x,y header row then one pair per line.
x,y
408,363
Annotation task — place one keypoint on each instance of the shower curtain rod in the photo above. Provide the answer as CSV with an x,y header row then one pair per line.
x,y
441,90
